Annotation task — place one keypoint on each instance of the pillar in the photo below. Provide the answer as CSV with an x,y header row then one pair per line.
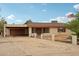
x,y
74,39
41,36
26,31
30,31
34,34
42,33
4,31
53,37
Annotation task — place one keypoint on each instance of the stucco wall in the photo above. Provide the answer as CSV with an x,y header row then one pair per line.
x,y
51,31
7,32
55,31
68,32
60,35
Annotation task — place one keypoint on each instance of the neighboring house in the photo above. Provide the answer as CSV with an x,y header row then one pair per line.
x,y
34,27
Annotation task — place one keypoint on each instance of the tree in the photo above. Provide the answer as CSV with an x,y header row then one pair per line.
x,y
28,21
77,14
74,25
2,22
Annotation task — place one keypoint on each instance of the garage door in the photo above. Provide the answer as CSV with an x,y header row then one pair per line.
x,y
17,32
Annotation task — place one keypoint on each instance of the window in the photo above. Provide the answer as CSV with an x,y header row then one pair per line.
x,y
33,30
61,30
45,30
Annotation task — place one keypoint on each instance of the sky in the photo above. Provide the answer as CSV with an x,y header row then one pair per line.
x,y
19,13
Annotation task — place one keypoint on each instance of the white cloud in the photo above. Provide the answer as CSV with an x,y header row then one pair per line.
x,y
69,13
53,19
70,16
44,10
43,21
60,19
11,17
17,21
76,7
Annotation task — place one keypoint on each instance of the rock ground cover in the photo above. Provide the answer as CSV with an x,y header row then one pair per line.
x,y
25,46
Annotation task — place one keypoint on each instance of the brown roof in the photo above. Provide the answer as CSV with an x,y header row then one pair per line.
x,y
46,24
15,25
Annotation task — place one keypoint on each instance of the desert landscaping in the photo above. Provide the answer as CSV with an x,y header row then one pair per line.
x,y
26,46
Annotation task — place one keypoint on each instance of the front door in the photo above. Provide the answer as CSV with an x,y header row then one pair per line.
x,y
39,31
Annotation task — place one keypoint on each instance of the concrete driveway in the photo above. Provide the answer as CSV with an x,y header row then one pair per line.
x,y
25,46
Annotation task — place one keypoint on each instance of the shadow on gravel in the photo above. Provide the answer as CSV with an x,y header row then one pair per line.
x,y
69,42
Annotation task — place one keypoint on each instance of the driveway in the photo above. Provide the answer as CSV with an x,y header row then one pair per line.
x,y
25,46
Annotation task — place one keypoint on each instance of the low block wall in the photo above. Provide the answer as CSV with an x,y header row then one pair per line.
x,y
47,36
33,35
62,37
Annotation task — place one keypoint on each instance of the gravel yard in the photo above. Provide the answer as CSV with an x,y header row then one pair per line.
x,y
25,46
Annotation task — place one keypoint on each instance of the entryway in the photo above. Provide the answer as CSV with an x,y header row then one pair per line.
x,y
38,32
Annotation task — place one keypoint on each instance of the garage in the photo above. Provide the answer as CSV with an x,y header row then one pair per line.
x,y
18,31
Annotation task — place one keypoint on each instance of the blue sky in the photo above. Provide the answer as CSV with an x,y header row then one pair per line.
x,y
19,13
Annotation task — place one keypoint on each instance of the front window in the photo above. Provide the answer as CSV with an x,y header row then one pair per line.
x,y
61,30
33,30
45,30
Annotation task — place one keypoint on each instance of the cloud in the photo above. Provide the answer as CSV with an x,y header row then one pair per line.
x,y
69,13
16,21
70,16
76,7
11,17
42,21
60,19
44,10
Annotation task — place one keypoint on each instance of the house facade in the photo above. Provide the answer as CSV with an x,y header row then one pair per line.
x,y
35,28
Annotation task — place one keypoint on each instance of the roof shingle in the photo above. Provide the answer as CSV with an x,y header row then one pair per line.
x,y
46,24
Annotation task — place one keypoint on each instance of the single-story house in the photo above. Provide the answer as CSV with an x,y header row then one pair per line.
x,y
35,27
